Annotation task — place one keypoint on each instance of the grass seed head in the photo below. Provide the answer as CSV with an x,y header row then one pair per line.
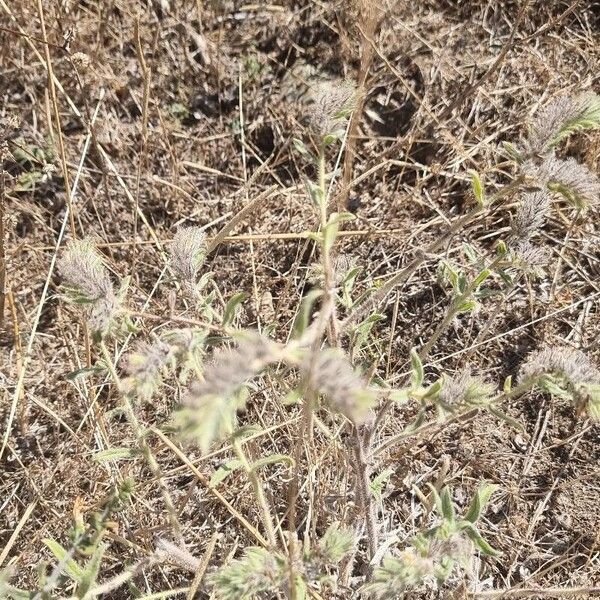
x,y
333,376
188,252
87,281
531,215
559,118
333,102
571,179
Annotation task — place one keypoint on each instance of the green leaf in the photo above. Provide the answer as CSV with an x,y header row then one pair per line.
x,y
477,188
231,308
68,565
336,543
506,418
479,501
13,593
224,471
470,253
92,568
400,396
301,589
507,387
512,152
589,118
417,375
269,460
481,278
439,507
300,146
114,454
434,389
305,311
246,431
477,539
211,418
314,191
292,397
447,505
86,371
380,482
467,306
364,329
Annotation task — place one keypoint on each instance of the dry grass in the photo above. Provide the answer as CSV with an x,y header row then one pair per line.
x,y
181,113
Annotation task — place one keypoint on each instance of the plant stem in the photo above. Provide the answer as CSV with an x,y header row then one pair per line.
x,y
360,310
143,444
453,310
258,492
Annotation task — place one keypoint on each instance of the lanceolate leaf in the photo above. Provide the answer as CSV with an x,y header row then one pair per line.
x,y
479,501
114,454
417,369
477,539
269,460
69,566
223,472
231,307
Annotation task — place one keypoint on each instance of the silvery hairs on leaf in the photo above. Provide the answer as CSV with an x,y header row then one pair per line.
x,y
87,281
572,364
188,252
331,374
209,406
571,179
464,387
399,575
145,366
258,572
559,118
333,101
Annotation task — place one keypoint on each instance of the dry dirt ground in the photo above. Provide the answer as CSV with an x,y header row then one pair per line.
x,y
203,126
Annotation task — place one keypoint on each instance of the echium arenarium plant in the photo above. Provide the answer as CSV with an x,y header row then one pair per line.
x,y
217,364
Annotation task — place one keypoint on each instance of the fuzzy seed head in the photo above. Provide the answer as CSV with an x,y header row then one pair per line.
x,y
562,116
531,258
257,573
87,282
531,215
333,102
571,179
566,362
83,271
188,252
169,552
464,388
333,376
145,367
230,368
456,547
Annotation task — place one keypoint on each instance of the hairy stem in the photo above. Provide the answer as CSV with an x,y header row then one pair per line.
x,y
453,310
143,443
259,493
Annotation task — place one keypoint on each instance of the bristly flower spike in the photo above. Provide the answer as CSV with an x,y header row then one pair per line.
x,y
567,373
561,117
333,103
86,281
571,179
188,253
331,374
